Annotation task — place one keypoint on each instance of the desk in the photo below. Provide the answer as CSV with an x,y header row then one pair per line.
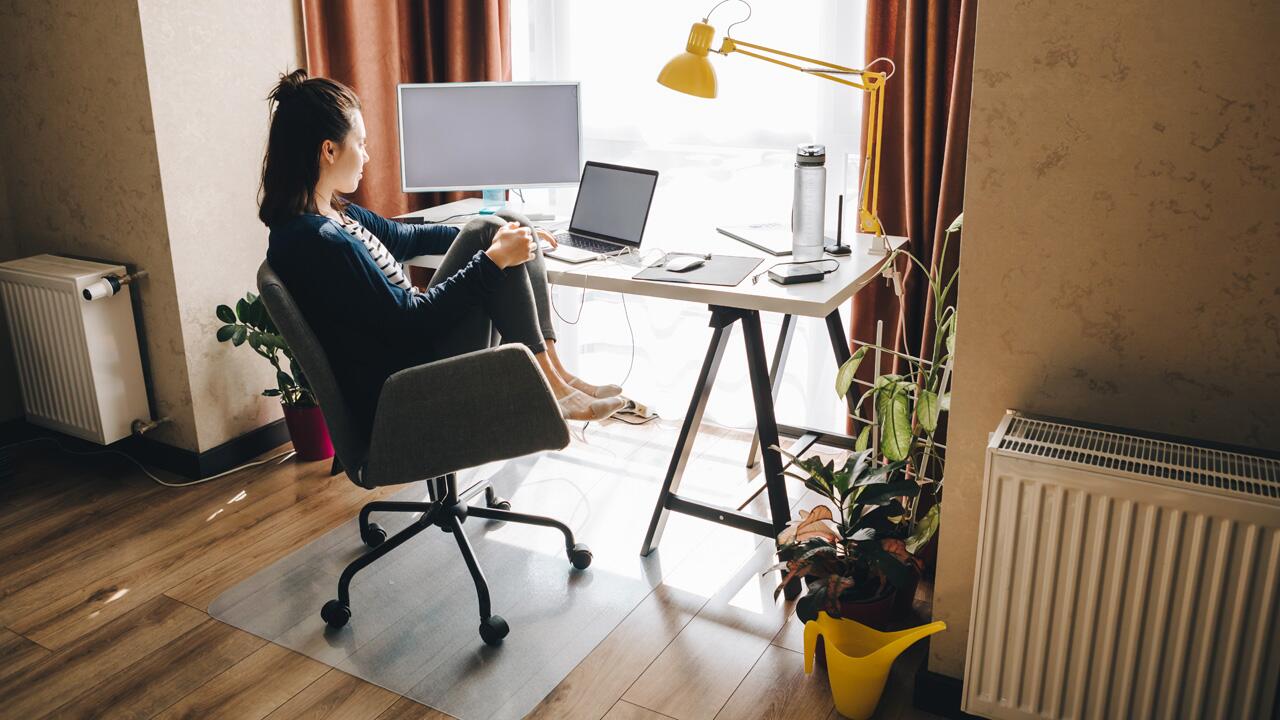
x,y
728,305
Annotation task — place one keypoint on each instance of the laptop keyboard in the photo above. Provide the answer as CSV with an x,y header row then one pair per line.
x,y
585,243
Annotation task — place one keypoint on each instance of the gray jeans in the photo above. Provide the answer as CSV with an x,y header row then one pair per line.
x,y
520,311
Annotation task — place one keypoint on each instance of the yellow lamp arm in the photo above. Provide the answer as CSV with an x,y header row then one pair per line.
x,y
872,83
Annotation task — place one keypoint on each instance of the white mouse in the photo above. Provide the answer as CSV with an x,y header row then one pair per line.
x,y
684,263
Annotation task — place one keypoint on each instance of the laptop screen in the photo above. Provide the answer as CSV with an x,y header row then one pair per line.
x,y
613,202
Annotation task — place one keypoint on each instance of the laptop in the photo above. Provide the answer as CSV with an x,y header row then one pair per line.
x,y
609,214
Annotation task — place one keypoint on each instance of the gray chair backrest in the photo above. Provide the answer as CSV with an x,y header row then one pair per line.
x,y
349,444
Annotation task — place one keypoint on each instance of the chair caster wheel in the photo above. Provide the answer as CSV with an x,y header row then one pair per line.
x,y
493,629
580,556
492,500
374,536
335,614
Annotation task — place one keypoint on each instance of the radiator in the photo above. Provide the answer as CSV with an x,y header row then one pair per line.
x,y
78,361
1123,577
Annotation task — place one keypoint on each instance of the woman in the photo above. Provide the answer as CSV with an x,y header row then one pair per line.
x,y
341,263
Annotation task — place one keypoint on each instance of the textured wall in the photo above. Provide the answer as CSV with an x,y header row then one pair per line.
x,y
1121,257
134,131
79,155
210,66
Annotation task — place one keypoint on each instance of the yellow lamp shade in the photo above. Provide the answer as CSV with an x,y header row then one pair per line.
x,y
691,72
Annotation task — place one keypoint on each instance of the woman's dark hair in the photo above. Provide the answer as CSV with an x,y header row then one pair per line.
x,y
307,111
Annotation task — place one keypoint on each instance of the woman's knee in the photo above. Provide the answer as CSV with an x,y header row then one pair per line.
x,y
510,215
480,231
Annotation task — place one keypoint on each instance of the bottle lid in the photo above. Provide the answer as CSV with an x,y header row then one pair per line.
x,y
811,154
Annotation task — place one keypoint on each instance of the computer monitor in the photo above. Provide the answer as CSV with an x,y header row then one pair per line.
x,y
477,136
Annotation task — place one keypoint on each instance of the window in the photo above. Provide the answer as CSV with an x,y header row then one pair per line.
x,y
726,161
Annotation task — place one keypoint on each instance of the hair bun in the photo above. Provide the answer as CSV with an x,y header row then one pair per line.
x,y
288,86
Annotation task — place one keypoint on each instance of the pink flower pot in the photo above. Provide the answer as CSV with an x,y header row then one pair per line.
x,y
309,433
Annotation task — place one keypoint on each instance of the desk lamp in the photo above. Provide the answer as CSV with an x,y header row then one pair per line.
x,y
691,72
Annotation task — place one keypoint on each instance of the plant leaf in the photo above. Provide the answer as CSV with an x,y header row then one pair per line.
x,y
864,439
821,476
884,519
812,524
271,392
927,409
225,332
925,530
238,337
242,310
880,473
283,379
225,314
893,410
882,493
844,376
893,569
956,224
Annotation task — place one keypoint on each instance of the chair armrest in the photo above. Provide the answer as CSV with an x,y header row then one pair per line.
x,y
462,412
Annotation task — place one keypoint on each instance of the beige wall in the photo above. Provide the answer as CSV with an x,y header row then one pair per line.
x,y
1121,257
210,66
80,161
133,131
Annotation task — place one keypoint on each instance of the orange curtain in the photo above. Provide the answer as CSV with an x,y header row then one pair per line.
x,y
926,129
373,45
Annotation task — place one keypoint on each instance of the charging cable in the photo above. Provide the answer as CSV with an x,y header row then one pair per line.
x,y
756,278
277,458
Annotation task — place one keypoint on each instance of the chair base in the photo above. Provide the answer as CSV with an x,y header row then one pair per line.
x,y
446,511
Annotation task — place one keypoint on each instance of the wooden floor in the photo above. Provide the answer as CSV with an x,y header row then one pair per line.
x,y
105,577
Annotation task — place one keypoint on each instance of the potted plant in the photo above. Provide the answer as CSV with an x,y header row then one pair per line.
x,y
852,561
909,408
250,323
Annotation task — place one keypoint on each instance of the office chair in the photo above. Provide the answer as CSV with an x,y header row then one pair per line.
x,y
486,424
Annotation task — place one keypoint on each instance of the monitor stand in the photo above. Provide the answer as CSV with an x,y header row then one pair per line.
x,y
495,198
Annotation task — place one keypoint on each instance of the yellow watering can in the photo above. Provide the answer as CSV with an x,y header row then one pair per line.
x,y
858,659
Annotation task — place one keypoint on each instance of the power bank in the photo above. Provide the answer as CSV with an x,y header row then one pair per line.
x,y
794,274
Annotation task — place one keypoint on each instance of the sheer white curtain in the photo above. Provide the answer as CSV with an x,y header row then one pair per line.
x,y
729,159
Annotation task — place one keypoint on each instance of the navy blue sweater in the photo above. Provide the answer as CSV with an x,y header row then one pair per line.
x,y
370,328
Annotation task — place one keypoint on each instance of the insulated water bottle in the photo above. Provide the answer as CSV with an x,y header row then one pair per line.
x,y
808,203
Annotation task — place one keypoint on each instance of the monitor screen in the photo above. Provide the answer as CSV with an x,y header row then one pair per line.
x,y
613,202
472,136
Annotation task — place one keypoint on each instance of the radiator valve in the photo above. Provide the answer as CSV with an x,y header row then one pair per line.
x,y
140,427
110,285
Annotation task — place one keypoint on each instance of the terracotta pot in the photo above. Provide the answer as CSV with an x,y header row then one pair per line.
x,y
309,433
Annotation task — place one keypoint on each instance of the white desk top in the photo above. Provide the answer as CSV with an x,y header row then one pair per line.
x,y
815,299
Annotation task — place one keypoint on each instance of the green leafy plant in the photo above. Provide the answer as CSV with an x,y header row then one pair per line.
x,y
858,553
249,323
910,407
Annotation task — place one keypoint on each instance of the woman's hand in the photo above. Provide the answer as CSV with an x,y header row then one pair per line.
x,y
512,245
551,239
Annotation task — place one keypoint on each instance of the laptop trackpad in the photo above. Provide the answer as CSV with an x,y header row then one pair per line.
x,y
568,253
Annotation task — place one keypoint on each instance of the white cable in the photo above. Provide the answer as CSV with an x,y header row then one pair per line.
x,y
582,303
280,456
632,332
